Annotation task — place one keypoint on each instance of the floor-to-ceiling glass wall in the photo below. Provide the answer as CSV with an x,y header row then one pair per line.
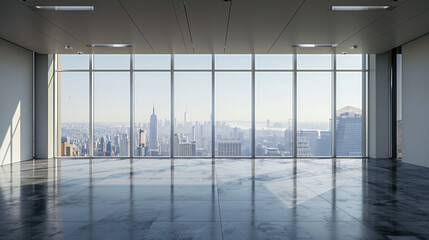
x,y
349,120
152,105
314,119
233,105
273,105
192,105
329,90
111,105
73,96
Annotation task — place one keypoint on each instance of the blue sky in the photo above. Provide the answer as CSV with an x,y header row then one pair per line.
x,y
192,89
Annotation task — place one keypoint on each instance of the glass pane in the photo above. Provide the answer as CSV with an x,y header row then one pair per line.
x,y
314,114
112,61
349,114
73,117
152,62
73,62
314,62
193,62
399,106
273,95
192,109
273,62
111,113
152,114
233,109
349,62
233,62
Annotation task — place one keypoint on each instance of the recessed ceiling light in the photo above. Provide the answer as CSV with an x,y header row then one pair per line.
x,y
361,8
65,8
80,53
354,46
115,45
68,47
314,45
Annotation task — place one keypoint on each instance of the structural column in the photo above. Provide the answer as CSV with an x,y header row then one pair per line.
x,y
378,106
44,105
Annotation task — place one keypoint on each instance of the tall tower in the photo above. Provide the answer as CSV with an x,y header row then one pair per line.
x,y
186,118
153,135
123,148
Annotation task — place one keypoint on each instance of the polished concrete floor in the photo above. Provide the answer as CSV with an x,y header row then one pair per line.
x,y
214,199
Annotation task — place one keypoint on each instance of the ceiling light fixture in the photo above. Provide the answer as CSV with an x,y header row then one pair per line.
x,y
115,45
314,45
68,47
361,8
354,46
65,8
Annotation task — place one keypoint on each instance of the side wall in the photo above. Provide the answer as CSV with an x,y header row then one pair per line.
x,y
415,102
16,103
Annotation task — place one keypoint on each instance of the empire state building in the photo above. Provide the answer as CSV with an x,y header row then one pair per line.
x,y
153,138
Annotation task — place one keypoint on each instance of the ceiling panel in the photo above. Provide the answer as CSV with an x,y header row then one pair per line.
x,y
159,22
201,26
23,26
316,23
207,23
254,26
108,24
404,23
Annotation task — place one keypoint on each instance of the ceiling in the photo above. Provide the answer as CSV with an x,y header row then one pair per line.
x,y
212,26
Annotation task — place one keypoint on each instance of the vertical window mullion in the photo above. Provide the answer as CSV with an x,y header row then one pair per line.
x,y
91,106
294,108
132,92
213,119
364,106
334,105
253,131
172,105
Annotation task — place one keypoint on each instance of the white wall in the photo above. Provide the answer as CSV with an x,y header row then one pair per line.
x,y
16,103
415,102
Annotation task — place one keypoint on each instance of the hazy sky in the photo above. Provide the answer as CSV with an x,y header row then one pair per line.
x,y
193,89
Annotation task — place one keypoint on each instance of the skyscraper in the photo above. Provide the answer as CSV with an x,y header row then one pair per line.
x,y
142,143
229,148
123,148
186,118
193,134
349,131
153,135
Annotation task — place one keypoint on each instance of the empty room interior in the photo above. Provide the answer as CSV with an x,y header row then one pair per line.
x,y
214,119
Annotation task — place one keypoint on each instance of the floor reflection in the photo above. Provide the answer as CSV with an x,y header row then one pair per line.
x,y
214,199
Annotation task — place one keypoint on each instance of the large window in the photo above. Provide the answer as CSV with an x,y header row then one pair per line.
x,y
273,114
74,114
152,114
233,114
192,125
314,114
111,114
223,105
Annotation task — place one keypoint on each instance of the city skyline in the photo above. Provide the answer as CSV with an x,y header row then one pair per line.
x,y
271,140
